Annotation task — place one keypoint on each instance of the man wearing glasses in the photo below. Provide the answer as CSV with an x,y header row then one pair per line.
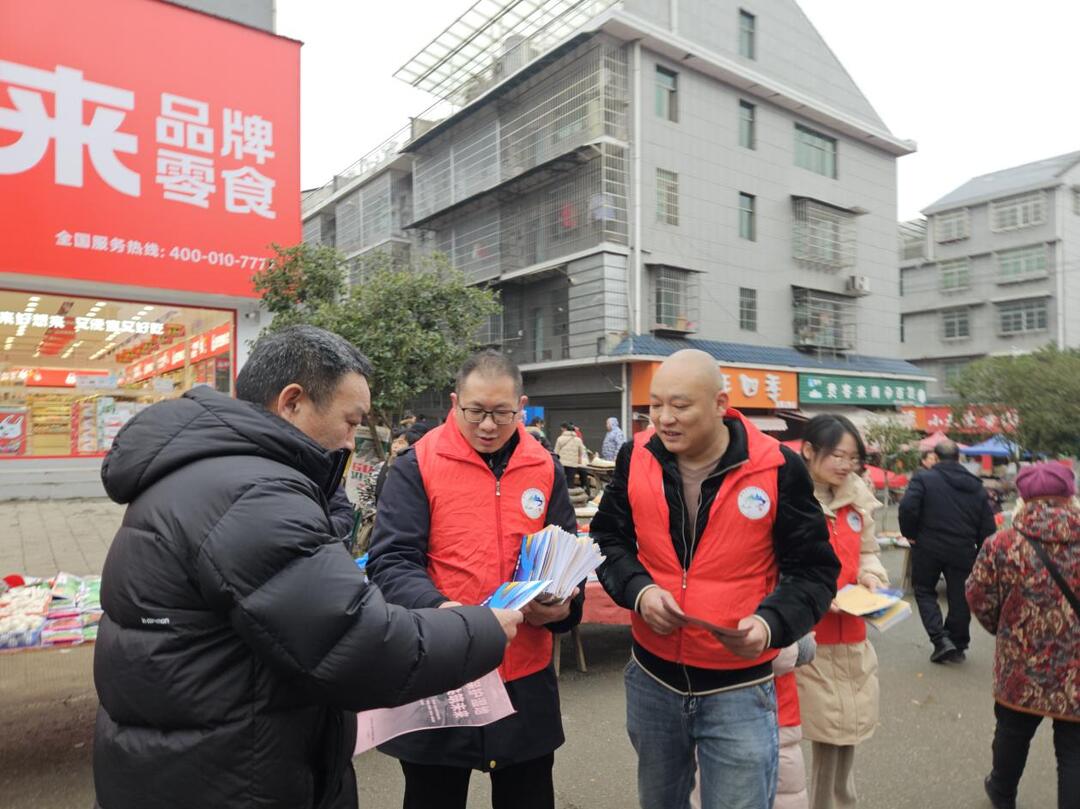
x,y
447,532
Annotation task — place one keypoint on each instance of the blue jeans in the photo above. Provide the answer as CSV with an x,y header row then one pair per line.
x,y
734,734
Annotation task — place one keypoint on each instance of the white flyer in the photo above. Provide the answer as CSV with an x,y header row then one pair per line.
x,y
475,704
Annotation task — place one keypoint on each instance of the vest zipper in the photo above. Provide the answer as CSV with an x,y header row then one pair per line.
x,y
688,559
503,669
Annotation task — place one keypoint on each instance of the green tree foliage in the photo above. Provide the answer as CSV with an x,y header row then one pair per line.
x,y
416,323
1042,388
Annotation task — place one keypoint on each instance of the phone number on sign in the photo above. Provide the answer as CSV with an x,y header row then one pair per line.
x,y
217,258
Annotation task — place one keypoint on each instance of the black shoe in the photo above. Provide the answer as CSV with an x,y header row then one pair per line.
x,y
959,656
943,650
996,800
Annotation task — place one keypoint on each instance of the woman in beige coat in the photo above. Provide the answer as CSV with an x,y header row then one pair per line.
x,y
573,456
838,691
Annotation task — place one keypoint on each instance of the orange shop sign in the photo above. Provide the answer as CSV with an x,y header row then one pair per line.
x,y
142,143
745,387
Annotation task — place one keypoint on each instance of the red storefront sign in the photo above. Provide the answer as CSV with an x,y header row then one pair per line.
x,y
57,377
209,344
146,144
974,420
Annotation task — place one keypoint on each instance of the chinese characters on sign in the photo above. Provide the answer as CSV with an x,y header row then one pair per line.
x,y
113,153
39,321
745,387
973,420
820,389
754,387
186,176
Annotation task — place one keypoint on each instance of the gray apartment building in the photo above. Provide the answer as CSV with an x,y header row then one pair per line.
x,y
639,176
988,271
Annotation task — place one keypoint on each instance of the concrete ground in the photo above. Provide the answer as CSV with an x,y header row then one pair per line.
x,y
931,750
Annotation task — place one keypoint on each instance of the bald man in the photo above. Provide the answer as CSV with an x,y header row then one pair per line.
x,y
707,519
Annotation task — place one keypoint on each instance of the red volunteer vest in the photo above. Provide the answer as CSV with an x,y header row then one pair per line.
x,y
787,701
733,567
477,523
845,534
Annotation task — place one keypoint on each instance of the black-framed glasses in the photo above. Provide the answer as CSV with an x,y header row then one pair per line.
x,y
476,415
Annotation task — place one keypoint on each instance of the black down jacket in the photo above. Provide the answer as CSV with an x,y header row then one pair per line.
x,y
947,512
238,635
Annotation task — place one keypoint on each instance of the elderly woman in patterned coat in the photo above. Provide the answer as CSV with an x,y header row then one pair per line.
x,y
1037,656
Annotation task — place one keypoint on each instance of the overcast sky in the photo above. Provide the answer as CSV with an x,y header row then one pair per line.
x,y
981,85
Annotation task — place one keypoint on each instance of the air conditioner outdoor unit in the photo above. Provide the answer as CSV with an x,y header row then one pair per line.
x,y
858,285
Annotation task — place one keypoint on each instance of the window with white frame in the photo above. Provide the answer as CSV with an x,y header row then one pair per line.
x,y
956,324
667,197
814,151
667,94
823,236
1022,317
747,309
747,223
952,226
1021,263
747,34
747,124
1022,211
675,299
955,275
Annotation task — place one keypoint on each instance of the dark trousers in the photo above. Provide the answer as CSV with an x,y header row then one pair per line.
x,y
527,785
925,572
1012,738
579,474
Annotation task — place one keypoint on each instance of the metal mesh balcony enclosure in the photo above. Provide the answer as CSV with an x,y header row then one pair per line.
x,y
576,209
822,322
372,214
580,100
823,236
674,299
492,40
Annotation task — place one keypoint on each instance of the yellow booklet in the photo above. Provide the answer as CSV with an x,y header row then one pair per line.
x,y
858,600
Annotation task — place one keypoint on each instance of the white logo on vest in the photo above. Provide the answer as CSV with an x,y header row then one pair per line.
x,y
754,503
533,502
854,522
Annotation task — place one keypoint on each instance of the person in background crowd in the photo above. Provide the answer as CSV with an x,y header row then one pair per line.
x,y
536,430
573,456
709,518
239,638
1037,653
927,460
448,532
409,436
945,514
613,440
577,432
838,691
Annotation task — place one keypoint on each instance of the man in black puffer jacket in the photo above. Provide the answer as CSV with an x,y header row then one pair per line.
x,y
946,514
238,634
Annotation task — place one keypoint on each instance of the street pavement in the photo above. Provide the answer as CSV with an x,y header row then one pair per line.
x,y
932,748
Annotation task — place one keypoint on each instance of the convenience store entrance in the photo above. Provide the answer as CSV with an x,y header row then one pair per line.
x,y
74,369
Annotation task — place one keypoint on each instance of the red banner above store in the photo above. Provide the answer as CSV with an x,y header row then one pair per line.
x,y
145,144
973,420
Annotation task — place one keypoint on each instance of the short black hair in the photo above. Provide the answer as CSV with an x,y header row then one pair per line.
x,y
491,364
947,451
825,432
312,358
416,432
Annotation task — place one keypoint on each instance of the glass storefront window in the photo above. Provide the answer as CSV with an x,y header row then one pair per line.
x,y
73,369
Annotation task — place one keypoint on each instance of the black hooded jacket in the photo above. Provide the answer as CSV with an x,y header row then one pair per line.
x,y
238,634
947,512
